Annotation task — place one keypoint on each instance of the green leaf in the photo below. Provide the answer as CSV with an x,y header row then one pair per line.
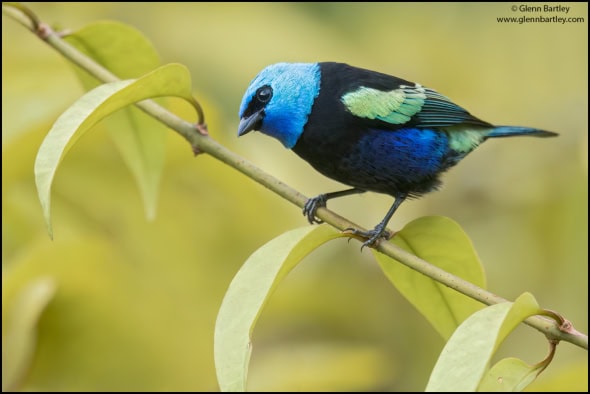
x,y
509,375
465,358
118,47
168,80
442,242
127,53
19,340
249,292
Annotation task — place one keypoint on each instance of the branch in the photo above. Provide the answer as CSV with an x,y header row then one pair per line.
x,y
201,142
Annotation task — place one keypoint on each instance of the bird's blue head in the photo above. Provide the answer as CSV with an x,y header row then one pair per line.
x,y
279,101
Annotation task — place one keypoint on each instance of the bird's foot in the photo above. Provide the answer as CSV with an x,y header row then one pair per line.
x,y
372,236
312,205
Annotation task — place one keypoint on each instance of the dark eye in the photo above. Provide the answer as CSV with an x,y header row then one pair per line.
x,y
264,94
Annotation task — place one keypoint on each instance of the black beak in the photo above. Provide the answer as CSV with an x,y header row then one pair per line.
x,y
250,123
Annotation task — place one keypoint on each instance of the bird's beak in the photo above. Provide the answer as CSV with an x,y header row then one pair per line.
x,y
250,123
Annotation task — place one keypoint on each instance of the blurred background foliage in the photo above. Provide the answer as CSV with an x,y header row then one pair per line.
x,y
135,301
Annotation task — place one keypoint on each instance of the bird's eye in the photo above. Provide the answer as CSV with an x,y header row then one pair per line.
x,y
264,94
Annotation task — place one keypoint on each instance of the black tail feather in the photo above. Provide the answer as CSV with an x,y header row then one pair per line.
x,y
513,131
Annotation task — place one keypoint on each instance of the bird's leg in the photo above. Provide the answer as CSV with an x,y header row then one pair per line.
x,y
312,205
380,230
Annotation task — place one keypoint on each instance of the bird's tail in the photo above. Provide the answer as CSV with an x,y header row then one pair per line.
x,y
512,131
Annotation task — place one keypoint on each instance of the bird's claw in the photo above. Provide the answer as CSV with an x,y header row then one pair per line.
x,y
372,236
312,205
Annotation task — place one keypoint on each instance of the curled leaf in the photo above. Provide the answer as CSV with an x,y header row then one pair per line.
x,y
168,80
465,358
249,292
442,242
20,339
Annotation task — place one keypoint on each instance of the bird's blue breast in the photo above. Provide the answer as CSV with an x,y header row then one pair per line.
x,y
395,160
417,151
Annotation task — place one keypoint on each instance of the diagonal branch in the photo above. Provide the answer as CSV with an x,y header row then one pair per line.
x,y
201,142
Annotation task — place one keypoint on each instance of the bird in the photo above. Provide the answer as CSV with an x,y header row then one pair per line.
x,y
366,129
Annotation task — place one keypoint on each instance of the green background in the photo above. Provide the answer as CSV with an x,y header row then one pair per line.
x,y
136,301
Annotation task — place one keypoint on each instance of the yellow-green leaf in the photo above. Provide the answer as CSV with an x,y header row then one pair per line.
x,y
20,338
442,242
127,53
168,80
509,375
249,292
465,358
120,48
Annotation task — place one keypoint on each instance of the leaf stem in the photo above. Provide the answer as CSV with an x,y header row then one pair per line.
x,y
203,143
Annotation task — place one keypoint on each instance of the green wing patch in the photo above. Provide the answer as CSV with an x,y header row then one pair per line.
x,y
424,107
394,106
